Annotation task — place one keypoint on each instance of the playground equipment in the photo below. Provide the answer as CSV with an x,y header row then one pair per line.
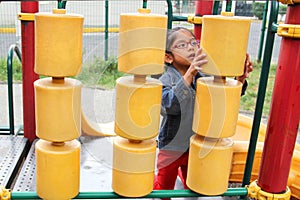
x,y
217,103
58,103
138,101
261,188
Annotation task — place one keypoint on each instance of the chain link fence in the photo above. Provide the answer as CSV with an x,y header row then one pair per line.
x,y
95,13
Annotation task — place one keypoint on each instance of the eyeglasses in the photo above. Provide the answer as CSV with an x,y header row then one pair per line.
x,y
184,45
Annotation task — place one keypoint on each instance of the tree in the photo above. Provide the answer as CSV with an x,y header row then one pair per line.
x,y
258,9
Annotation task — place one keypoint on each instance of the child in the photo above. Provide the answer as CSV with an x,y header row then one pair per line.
x,y
184,61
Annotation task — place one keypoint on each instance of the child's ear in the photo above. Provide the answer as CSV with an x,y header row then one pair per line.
x,y
168,58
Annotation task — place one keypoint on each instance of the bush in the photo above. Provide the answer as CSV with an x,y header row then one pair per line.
x,y
282,9
102,73
258,9
17,70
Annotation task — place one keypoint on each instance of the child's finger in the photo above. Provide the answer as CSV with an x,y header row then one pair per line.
x,y
198,52
200,63
200,57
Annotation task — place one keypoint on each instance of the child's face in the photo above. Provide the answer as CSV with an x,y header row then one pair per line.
x,y
184,48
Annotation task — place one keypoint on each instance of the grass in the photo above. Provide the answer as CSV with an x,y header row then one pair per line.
x,y
103,74
100,73
248,101
17,70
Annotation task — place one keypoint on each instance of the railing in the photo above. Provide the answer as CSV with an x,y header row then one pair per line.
x,y
153,194
11,129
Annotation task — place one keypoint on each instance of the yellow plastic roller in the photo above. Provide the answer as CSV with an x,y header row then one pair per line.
x,y
216,107
209,165
57,169
225,39
133,167
58,43
142,41
138,106
58,109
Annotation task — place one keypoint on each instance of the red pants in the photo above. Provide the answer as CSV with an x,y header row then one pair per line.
x,y
170,164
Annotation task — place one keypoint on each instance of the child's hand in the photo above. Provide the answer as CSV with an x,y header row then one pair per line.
x,y
195,66
247,69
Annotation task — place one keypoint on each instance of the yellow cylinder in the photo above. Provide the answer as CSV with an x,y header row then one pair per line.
x,y
57,169
138,105
216,107
224,39
209,165
58,108
133,167
142,40
58,43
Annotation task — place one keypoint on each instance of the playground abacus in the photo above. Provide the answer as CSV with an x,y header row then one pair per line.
x,y
58,110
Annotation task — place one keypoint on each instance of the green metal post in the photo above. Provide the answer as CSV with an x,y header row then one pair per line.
x,y
216,7
228,5
144,3
10,89
106,31
13,48
261,92
61,4
262,34
180,18
153,194
170,14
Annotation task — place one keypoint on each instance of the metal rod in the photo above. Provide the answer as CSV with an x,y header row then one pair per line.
x,y
216,7
28,75
144,3
10,89
61,4
262,34
179,18
284,114
261,94
170,14
202,7
153,194
228,5
106,31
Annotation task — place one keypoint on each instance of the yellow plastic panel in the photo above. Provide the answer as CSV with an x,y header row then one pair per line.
x,y
58,109
58,44
244,128
138,105
216,107
289,30
224,39
57,169
142,41
133,167
294,176
240,151
209,165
